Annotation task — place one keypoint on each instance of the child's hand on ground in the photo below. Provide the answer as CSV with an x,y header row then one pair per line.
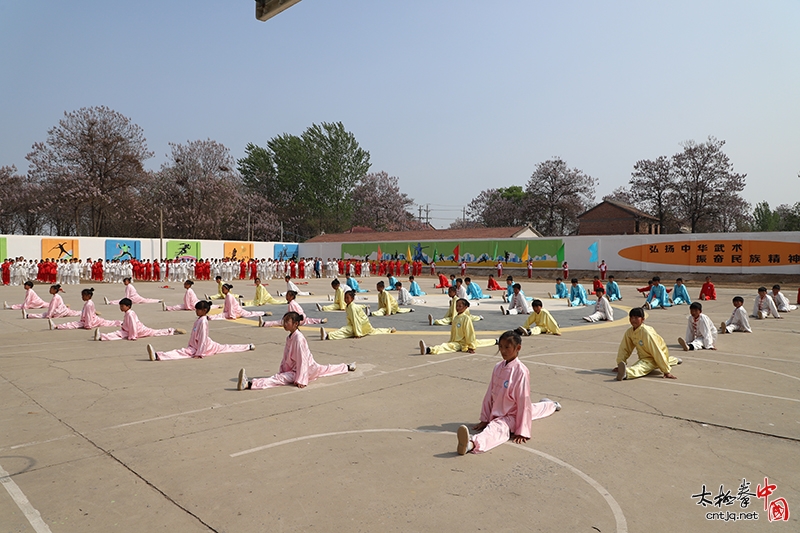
x,y
470,351
520,440
669,376
299,386
480,426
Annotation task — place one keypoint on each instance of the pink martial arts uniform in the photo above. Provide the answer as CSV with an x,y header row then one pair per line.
x,y
232,310
89,319
130,292
294,306
507,406
56,309
189,301
297,366
200,345
132,329
32,301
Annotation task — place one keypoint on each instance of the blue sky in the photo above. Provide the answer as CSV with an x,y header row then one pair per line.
x,y
452,97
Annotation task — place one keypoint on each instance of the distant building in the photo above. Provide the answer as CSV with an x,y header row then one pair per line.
x,y
523,232
610,217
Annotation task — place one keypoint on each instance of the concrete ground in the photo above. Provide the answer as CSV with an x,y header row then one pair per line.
x,y
94,437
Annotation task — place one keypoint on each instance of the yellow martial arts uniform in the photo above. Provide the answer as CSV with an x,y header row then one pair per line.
x,y
357,325
387,305
448,318
462,337
338,301
263,297
544,323
219,295
651,348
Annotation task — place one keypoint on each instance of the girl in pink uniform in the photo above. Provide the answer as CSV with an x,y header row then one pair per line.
x,y
189,299
31,301
293,307
56,309
297,366
232,310
89,318
132,328
132,295
200,345
507,405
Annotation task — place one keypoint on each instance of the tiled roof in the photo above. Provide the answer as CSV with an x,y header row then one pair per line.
x,y
625,207
424,235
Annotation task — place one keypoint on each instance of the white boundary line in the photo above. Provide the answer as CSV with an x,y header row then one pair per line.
x,y
616,510
22,502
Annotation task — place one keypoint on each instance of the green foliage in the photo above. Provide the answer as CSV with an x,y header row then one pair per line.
x,y
783,218
310,178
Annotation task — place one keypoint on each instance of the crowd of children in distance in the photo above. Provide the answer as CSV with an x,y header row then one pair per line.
x,y
506,410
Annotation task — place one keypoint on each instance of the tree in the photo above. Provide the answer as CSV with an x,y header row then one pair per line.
x,y
313,175
558,195
706,184
788,217
620,194
93,157
200,192
652,189
380,205
11,185
764,219
503,207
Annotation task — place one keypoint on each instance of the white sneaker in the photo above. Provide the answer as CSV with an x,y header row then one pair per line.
x,y
463,440
422,348
683,344
503,310
105,299
322,334
319,307
723,328
252,347
6,306
179,331
163,306
207,296
242,383
261,321
351,367
324,321
96,335
152,353
558,405
24,314
50,323
430,320
549,294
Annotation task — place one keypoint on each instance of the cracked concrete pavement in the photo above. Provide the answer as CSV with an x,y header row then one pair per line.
x,y
97,437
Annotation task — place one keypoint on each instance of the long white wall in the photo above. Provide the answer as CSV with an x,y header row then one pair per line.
x,y
30,247
781,247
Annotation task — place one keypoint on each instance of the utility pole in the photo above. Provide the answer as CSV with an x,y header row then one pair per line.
x,y
281,231
428,214
464,214
161,234
419,218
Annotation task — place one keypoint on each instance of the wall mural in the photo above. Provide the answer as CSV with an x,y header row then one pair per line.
x,y
183,250
60,248
123,249
545,253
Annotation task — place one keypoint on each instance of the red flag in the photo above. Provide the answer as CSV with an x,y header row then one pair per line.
x,y
380,255
456,255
